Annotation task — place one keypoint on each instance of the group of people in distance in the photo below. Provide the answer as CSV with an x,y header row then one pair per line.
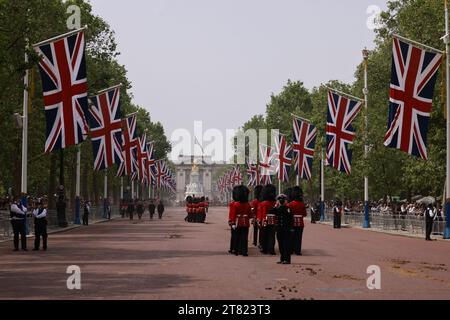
x,y
275,218
196,209
130,208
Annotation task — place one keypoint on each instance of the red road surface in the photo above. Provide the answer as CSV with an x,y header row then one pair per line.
x,y
171,259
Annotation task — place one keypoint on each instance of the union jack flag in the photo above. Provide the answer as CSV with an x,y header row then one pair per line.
x,y
141,157
105,120
340,132
254,177
150,164
304,144
266,164
129,146
414,74
63,73
160,173
236,176
283,157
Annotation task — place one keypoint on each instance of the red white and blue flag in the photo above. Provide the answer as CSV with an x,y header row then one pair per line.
x,y
254,177
303,145
160,173
340,132
283,157
141,158
414,74
129,145
150,164
63,73
237,176
267,169
105,119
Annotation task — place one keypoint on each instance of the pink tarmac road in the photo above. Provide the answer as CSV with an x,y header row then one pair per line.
x,y
171,259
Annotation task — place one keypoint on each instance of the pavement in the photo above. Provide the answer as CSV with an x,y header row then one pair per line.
x,y
170,259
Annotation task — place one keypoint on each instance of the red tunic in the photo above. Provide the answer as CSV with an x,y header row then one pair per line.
x,y
263,210
298,209
240,214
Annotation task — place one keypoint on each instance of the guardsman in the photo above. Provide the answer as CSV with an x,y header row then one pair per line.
x,y
40,227
188,209
255,204
232,222
18,213
240,218
267,221
298,210
202,213
285,229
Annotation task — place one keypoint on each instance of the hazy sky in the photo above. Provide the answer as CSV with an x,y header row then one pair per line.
x,y
220,60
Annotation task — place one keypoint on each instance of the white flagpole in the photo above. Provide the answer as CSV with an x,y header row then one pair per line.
x,y
447,66
132,190
322,187
366,223
77,187
105,194
121,188
24,182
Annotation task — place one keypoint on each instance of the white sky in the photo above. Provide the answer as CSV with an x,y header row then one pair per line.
x,y
219,60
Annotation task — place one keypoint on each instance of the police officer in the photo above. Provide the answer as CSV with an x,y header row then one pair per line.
x,y
18,214
86,213
267,219
337,214
254,204
40,227
298,209
285,229
430,215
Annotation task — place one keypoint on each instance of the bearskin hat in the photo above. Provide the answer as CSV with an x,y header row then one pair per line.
x,y
269,193
296,194
258,191
240,194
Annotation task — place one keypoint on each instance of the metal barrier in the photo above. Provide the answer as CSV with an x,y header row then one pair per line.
x,y
96,215
406,223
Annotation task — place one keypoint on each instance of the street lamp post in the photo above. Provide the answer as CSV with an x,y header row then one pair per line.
x,y
447,65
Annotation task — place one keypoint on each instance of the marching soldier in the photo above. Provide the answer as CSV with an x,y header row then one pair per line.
x,y
298,210
151,209
18,213
254,204
130,209
160,209
240,219
202,210
285,229
140,209
40,227
232,224
267,220
188,209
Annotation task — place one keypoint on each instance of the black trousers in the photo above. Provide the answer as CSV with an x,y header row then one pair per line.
x,y
337,221
233,239
19,229
429,228
268,242
40,230
241,241
255,234
297,240
284,238
85,219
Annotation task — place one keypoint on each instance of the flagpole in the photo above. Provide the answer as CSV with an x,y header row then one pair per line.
x,y
77,188
24,184
132,190
366,223
105,195
447,50
322,188
298,181
121,188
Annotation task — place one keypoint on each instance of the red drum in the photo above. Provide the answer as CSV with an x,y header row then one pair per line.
x,y
298,221
271,220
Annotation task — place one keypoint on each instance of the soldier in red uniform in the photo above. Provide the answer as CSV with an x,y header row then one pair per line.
x,y
202,210
239,218
189,209
254,204
298,209
267,220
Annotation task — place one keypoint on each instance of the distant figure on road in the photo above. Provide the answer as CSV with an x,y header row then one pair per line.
x,y
130,209
151,209
140,209
337,214
160,209
430,216
40,227
17,214
86,213
298,211
285,229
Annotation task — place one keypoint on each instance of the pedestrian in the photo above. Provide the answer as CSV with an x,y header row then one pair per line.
x,y
285,229
40,227
267,219
160,209
430,215
240,219
151,209
337,214
298,210
140,209
86,213
254,204
130,209
18,214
